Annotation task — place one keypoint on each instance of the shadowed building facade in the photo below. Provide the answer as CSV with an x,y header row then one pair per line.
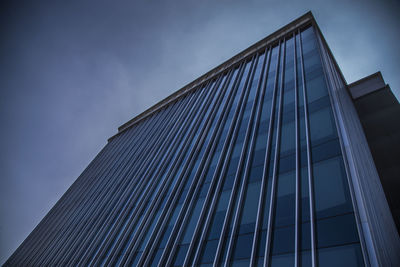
x,y
262,161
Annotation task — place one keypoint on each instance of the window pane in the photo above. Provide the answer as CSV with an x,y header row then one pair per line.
x,y
283,240
316,88
249,213
283,260
336,231
322,125
241,263
349,255
288,138
331,189
243,247
285,202
209,251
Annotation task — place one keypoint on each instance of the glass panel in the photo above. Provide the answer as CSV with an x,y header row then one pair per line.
x,y
285,202
192,223
241,263
180,256
283,260
336,231
349,255
331,189
316,88
283,240
209,251
288,138
249,212
326,150
243,246
321,125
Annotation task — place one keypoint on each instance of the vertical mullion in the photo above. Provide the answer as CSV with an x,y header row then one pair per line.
x,y
189,150
146,257
309,161
133,186
198,233
124,231
100,206
167,259
162,145
73,218
113,205
276,160
30,244
298,165
236,125
244,159
264,181
172,175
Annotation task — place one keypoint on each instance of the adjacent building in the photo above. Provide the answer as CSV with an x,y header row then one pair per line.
x,y
264,160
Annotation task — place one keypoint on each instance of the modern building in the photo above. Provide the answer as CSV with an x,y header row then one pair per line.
x,y
262,161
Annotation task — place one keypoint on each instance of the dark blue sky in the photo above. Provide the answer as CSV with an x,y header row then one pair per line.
x,y
71,72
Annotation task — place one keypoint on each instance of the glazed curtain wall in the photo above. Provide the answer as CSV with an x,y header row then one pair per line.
x,y
245,170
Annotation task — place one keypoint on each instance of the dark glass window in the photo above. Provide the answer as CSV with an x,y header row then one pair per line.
x,y
349,256
285,202
249,212
283,240
337,230
322,125
243,246
284,260
331,188
180,256
209,251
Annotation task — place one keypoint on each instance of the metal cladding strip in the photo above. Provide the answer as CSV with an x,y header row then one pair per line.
x,y
136,183
132,188
259,112
153,209
122,218
164,218
329,69
263,190
189,148
114,207
131,224
224,158
139,221
84,215
155,238
81,242
237,179
95,211
113,199
296,22
60,221
220,161
194,187
309,161
45,227
177,231
298,164
104,200
275,174
28,244
83,212
245,158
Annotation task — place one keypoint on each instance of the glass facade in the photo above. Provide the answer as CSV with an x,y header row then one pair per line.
x,y
246,169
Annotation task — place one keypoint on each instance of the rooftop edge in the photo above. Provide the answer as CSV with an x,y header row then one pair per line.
x,y
270,39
